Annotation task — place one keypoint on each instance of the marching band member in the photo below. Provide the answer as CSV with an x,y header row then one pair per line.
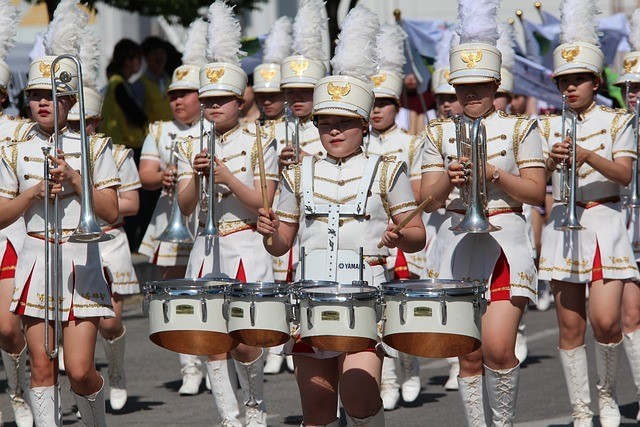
x,y
514,175
156,171
85,294
115,253
389,140
300,73
270,99
238,251
598,255
341,111
447,106
630,314
12,342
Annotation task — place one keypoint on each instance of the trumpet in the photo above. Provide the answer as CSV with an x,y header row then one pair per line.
x,y
296,140
88,230
177,231
210,229
474,191
634,198
568,171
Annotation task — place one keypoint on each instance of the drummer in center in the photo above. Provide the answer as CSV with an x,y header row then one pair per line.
x,y
514,175
341,112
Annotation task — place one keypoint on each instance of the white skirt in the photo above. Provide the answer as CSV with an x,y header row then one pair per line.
x,y
221,257
569,255
14,233
116,258
163,254
84,289
631,217
469,256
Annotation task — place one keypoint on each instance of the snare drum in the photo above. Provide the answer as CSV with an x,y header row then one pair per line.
x,y
433,318
258,314
185,315
338,317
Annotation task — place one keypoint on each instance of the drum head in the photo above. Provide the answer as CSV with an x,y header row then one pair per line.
x,y
258,289
339,292
200,343
432,344
432,287
186,287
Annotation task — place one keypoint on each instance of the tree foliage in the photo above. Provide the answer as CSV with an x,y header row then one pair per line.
x,y
183,11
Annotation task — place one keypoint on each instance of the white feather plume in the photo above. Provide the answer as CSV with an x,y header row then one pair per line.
x,y
308,30
90,54
277,46
443,47
356,52
223,39
578,21
505,45
195,47
634,37
63,34
390,44
9,21
478,21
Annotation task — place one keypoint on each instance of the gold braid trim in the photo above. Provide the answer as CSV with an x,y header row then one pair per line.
x,y
293,217
432,165
383,187
107,183
619,122
124,187
545,128
396,208
9,193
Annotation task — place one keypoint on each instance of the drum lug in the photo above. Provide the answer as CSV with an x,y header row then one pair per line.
x,y
380,308
145,307
310,317
443,311
165,310
225,309
203,308
352,317
252,313
403,312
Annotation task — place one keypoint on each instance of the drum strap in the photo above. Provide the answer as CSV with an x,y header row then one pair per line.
x,y
335,211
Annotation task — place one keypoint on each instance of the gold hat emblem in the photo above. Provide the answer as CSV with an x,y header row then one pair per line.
x,y
45,69
570,54
446,75
215,75
471,59
299,66
181,74
378,80
337,91
629,63
268,75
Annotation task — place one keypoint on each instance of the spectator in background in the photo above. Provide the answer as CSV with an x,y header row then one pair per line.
x,y
250,111
151,87
416,102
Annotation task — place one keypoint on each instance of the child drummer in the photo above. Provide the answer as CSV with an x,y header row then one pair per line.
x,y
341,110
237,252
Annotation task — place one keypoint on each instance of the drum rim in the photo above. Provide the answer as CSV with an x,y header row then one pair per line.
x,y
195,285
397,287
258,289
307,293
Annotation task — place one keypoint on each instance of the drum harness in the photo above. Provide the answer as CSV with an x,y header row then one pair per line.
x,y
335,211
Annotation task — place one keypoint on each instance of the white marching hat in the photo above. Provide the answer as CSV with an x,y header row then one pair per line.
x,y
298,71
388,81
387,85
506,81
630,71
474,63
222,79
92,105
266,78
185,77
440,82
343,96
578,57
40,74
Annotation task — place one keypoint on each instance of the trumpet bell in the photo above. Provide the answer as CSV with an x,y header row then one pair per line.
x,y
89,231
177,232
209,230
474,222
568,223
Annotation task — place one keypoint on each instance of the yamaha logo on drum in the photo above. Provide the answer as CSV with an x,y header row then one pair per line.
x,y
349,266
184,309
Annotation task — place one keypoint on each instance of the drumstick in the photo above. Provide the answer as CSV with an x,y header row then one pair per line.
x,y
263,175
408,218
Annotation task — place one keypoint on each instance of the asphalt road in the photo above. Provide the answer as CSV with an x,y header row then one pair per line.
x,y
153,380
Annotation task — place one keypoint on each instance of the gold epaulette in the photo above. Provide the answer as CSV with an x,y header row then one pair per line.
x,y
613,110
435,122
513,116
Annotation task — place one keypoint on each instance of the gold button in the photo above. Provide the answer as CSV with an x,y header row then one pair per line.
x,y
341,223
503,137
341,183
367,217
224,160
243,153
26,159
243,169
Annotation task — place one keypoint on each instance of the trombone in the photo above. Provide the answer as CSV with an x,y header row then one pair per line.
x,y
569,171
474,191
177,231
634,197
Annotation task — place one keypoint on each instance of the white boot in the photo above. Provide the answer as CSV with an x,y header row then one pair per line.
x,y
502,388
114,352
522,350
389,388
472,400
61,367
191,374
574,365
454,370
251,379
410,377
335,423
290,364
45,413
92,408
376,420
273,364
632,348
607,361
222,377
15,366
